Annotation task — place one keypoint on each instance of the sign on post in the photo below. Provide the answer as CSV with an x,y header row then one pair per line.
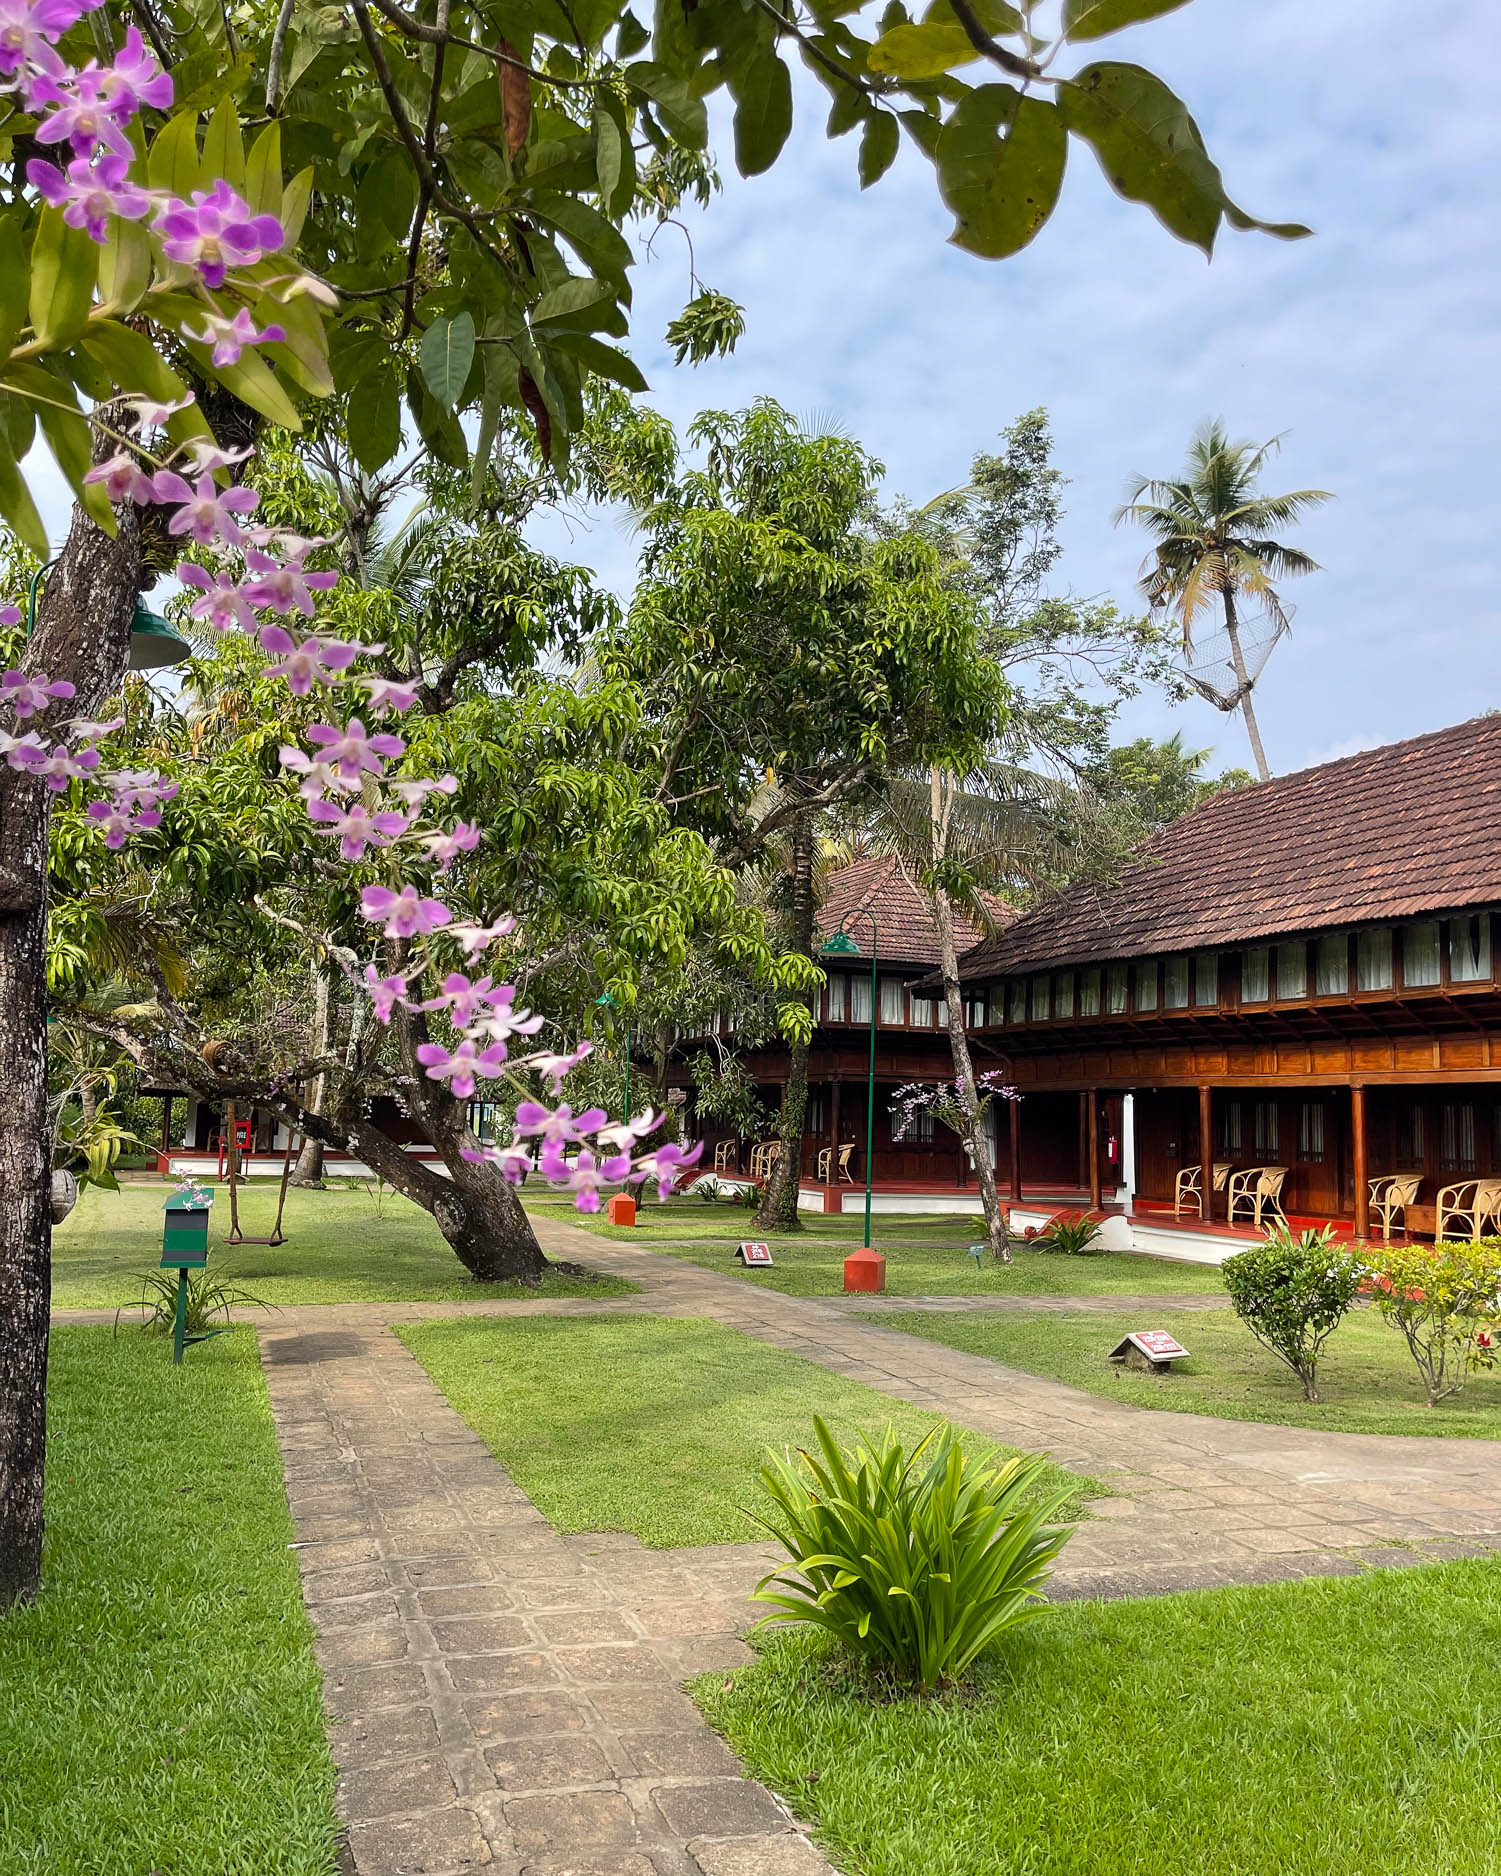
x,y
1152,1349
185,1219
749,1254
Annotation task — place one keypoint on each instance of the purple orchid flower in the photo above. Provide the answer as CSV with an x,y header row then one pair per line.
x,y
208,513
318,778
139,788
30,28
133,79
30,696
59,766
223,603
460,1067
285,587
91,193
666,1164
230,337
585,1177
514,1159
151,415
388,694
314,661
123,478
414,793
9,616
83,116
558,1127
216,231
23,752
445,848
464,1000
477,938
503,1022
406,913
356,827
385,992
555,1067
352,750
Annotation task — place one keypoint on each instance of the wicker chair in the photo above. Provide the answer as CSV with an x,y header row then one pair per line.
x,y
1482,1206
1391,1194
1188,1186
826,1162
727,1156
1259,1190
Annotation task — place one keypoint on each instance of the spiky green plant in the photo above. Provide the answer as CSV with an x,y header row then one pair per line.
x,y
917,1561
208,1296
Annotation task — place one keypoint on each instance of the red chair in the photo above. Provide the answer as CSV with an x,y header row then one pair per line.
x,y
244,1132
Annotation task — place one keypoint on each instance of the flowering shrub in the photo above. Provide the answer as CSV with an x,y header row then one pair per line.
x,y
1292,1293
941,1100
1446,1300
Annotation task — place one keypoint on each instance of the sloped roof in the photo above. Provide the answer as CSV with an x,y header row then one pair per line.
x,y
905,933
1390,833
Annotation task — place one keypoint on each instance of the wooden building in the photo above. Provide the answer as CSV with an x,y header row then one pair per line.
x,y
1299,975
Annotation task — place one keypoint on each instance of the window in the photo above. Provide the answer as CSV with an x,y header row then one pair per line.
x,y
1420,955
1331,971
922,1126
1115,990
1256,974
1063,994
1410,1137
974,1012
1089,993
813,1115
1016,992
1175,983
1206,979
1229,1128
1311,1131
1457,1137
1264,1128
838,998
1042,999
924,1012
1146,985
1292,970
997,1005
893,1000
1373,960
859,999
1470,949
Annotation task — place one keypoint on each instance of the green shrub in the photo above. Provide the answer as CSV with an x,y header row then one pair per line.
x,y
1446,1300
916,1562
208,1296
1072,1233
1292,1293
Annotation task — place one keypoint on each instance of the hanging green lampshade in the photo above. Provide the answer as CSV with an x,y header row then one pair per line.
x,y
153,643
841,945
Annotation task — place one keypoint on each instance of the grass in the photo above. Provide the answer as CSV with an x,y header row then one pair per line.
x,y
342,1247
1332,1727
1368,1380
159,1704
926,1255
654,1425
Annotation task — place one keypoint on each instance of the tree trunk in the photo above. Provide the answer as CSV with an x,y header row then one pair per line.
x,y
309,1168
964,1073
83,635
778,1208
1243,685
485,1225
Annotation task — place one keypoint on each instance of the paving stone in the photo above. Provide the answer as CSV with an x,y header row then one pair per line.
x,y
358,1613
485,1634
571,1820
493,1674
785,1855
396,1732
680,1755
528,1714
701,1654
329,1585
726,1807
360,1691
625,1662
645,1708
612,1863
470,1599
363,1647
439,1841
405,1785
540,1764
573,1626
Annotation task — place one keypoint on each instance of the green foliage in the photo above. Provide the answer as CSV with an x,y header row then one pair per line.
x,y
1071,1234
709,326
915,1562
207,1296
1446,1301
1150,784
1292,1293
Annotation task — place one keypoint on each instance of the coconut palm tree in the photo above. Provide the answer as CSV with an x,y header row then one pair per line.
x,y
1214,539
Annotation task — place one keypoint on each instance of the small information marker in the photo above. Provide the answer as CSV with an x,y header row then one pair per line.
x,y
1151,1349
749,1254
977,1251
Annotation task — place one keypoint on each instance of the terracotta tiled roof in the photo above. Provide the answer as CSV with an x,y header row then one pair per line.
x,y
905,933
1391,833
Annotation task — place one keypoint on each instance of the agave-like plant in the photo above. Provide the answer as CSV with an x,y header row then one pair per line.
x,y
915,1561
208,1296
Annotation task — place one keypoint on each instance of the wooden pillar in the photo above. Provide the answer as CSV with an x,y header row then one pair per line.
x,y
1206,1149
1014,1113
834,1134
1358,1156
166,1124
1092,1111
1081,1174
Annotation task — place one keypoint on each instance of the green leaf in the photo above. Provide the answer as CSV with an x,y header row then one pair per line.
x,y
614,159
18,508
917,52
224,148
596,241
64,263
263,171
762,90
132,361
599,357
125,266
998,19
12,287
1151,150
253,382
1092,19
67,434
576,295
438,428
1000,160
447,352
173,160
294,206
681,109
374,422
878,147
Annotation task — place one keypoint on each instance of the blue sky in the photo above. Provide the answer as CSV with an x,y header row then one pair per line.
x,y
1373,345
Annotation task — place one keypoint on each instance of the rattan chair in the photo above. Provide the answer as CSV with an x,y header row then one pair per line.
x,y
1391,1194
1188,1186
727,1156
1481,1207
1259,1190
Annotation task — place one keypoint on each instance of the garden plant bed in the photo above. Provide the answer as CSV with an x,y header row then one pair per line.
x,y
1328,1726
648,1424
340,1248
160,1707
1367,1379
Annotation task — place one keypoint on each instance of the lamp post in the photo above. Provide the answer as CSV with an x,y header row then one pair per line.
x,y
865,1269
608,1002
153,643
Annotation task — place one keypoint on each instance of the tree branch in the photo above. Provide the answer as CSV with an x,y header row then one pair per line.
x,y
987,47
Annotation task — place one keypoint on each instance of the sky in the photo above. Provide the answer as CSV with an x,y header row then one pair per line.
x,y
1371,346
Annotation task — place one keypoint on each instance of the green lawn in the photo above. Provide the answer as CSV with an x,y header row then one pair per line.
x,y
341,1248
1325,1728
648,1424
160,1707
1368,1380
